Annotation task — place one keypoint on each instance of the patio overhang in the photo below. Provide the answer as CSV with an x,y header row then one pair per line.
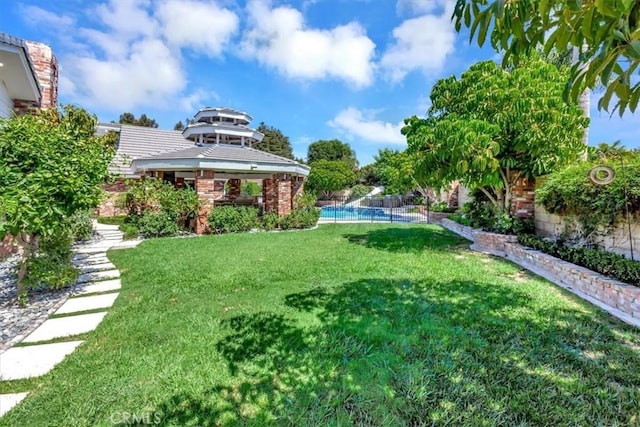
x,y
221,166
17,70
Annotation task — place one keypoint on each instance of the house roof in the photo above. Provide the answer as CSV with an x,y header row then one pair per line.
x,y
18,70
141,148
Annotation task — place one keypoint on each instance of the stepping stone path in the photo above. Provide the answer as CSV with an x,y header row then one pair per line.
x,y
96,289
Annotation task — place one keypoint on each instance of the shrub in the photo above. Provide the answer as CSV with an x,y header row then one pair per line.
x,y
300,218
460,219
155,195
51,266
439,207
232,219
157,224
81,225
270,221
597,208
601,261
129,231
486,216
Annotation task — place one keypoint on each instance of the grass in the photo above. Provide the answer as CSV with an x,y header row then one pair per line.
x,y
344,325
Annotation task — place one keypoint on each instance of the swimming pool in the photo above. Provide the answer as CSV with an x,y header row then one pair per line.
x,y
353,213
350,213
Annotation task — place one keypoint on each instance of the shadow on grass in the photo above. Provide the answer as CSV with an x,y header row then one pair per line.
x,y
404,352
409,239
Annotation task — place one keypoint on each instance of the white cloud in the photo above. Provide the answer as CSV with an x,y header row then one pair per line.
x,y
280,39
133,57
34,15
201,25
421,6
421,43
362,124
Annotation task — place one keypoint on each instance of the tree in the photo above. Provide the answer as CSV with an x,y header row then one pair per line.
x,y
51,166
178,126
396,170
332,150
327,176
491,127
274,142
604,33
368,175
130,119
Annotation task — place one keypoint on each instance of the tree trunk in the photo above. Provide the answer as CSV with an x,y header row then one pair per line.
x,y
29,243
584,102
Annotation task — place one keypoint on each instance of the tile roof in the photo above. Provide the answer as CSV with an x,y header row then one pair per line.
x,y
137,142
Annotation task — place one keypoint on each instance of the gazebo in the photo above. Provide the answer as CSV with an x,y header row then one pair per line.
x,y
212,155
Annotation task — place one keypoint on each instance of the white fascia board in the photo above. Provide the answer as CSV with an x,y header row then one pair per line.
x,y
218,165
218,113
204,130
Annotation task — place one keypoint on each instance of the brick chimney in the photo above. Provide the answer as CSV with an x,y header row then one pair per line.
x,y
46,66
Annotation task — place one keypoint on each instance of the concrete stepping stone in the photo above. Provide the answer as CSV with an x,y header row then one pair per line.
x,y
92,288
8,401
66,327
26,362
91,268
91,261
96,276
74,305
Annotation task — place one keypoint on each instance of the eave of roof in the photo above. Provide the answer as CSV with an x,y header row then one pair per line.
x,y
20,45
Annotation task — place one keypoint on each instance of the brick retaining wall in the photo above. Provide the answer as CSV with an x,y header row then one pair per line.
x,y
611,292
618,298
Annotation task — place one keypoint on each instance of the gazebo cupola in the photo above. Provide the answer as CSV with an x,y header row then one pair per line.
x,y
222,126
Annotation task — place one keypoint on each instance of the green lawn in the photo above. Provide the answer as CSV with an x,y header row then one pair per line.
x,y
343,325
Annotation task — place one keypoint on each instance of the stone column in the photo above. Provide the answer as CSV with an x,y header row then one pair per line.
x,y
234,189
297,188
276,194
205,187
523,198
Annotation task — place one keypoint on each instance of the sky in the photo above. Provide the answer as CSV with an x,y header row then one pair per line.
x,y
315,69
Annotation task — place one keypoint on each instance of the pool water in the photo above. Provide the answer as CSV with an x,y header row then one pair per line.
x,y
354,213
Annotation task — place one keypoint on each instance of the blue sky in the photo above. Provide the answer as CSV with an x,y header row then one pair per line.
x,y
315,69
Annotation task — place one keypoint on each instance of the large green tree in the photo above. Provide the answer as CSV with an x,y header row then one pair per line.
x,y
274,142
327,176
144,121
605,34
51,166
490,127
332,150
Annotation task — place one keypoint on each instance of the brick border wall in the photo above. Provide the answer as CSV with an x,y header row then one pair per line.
x,y
611,292
620,298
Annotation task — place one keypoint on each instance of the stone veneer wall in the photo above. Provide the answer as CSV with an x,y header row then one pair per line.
x,y
112,191
276,193
609,293
618,241
523,198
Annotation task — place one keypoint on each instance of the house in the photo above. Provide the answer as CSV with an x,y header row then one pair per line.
x,y
28,76
212,155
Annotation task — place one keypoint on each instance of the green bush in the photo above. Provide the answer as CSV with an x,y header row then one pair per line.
x,y
597,208
487,217
460,219
81,225
112,220
300,218
606,263
439,207
51,266
270,221
157,224
155,195
129,231
233,219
